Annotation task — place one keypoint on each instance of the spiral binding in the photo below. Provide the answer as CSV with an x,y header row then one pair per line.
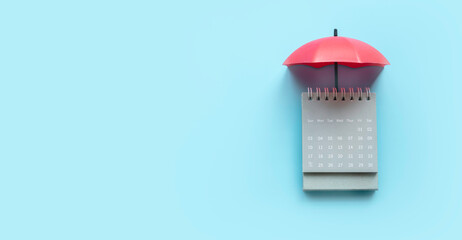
x,y
342,96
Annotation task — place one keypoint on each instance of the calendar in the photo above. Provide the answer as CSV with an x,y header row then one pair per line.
x,y
339,143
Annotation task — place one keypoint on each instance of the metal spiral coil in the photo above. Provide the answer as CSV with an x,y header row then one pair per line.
x,y
336,96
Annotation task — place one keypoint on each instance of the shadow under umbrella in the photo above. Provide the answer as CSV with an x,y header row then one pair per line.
x,y
311,77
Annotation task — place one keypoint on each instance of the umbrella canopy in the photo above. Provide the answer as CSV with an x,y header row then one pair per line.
x,y
336,50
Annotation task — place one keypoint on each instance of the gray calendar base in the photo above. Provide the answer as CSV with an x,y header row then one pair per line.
x,y
340,181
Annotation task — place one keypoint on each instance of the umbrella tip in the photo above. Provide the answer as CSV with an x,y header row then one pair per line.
x,y
335,32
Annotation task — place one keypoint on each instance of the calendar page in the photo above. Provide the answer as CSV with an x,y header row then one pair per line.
x,y
339,135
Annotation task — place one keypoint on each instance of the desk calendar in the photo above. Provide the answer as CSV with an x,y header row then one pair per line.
x,y
339,140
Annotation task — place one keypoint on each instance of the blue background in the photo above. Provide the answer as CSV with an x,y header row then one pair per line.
x,y
177,120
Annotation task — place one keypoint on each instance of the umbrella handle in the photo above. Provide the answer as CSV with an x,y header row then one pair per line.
x,y
336,74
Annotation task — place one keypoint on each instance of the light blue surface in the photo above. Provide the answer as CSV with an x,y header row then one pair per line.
x,y
176,120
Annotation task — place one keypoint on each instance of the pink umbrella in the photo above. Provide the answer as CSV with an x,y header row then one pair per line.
x,y
336,50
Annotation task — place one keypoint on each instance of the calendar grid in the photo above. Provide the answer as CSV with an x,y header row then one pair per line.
x,y
339,136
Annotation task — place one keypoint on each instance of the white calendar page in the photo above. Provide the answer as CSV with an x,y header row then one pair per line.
x,y
339,136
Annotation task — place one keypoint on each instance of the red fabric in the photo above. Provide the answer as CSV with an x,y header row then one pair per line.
x,y
346,51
